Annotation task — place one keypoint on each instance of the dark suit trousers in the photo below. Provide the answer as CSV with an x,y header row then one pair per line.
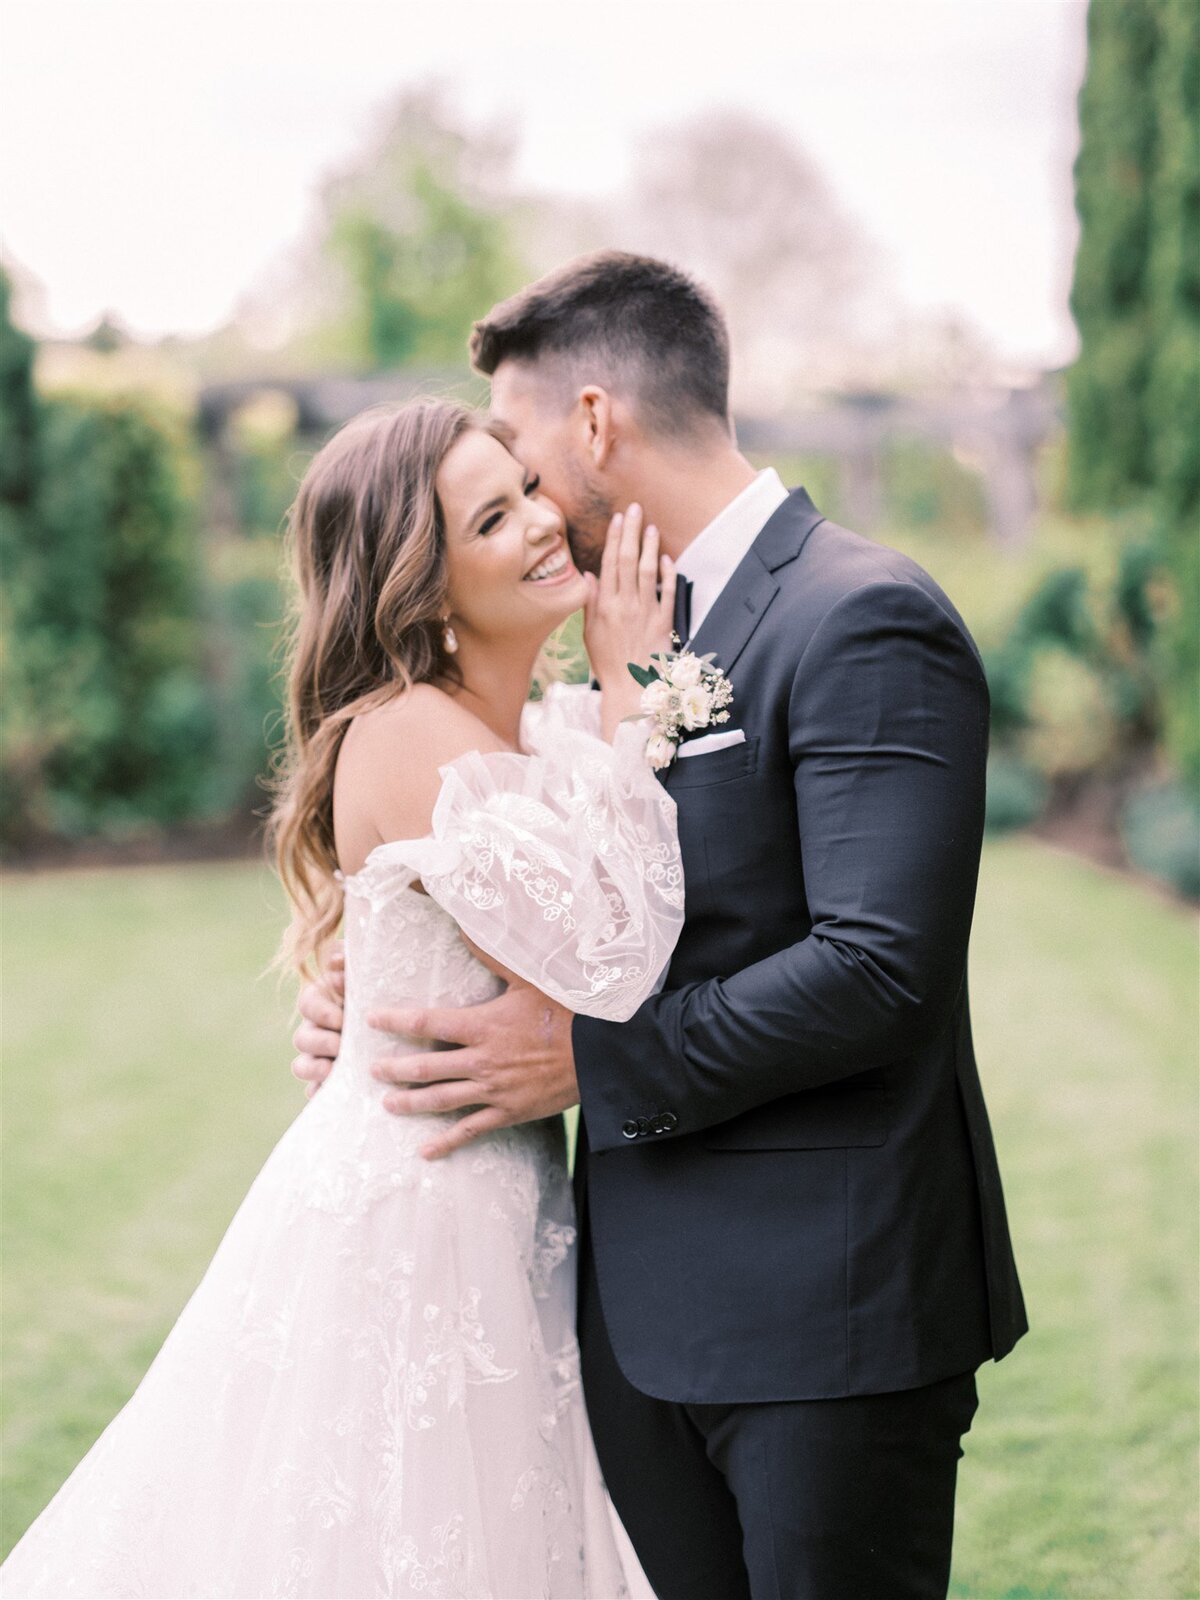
x,y
848,1499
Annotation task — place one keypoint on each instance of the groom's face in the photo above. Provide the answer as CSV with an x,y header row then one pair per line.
x,y
547,440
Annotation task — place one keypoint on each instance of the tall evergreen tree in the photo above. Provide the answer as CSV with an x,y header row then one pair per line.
x,y
1134,393
1173,395
1118,126
18,419
1173,264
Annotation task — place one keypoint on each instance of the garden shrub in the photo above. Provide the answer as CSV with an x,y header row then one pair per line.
x,y
247,606
1074,685
1160,829
107,719
1016,793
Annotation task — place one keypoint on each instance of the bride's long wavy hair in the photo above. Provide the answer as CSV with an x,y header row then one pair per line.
x,y
368,548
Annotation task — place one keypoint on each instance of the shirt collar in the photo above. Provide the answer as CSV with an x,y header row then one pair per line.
x,y
717,550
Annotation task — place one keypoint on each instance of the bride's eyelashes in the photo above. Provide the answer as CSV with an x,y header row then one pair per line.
x,y
492,522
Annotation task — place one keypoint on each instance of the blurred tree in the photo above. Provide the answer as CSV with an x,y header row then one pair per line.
x,y
1110,455
108,335
1173,394
110,682
106,722
18,520
733,199
1134,394
18,424
419,233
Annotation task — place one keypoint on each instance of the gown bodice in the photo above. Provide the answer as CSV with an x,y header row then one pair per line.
x,y
401,948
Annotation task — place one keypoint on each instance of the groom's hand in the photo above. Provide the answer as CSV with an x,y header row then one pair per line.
x,y
515,1064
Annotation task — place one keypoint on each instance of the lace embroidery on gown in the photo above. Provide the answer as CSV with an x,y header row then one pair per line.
x,y
375,1388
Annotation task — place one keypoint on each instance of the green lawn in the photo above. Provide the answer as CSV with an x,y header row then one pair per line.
x,y
146,1077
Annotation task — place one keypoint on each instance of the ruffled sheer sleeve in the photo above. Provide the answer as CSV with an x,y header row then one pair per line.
x,y
573,706
562,864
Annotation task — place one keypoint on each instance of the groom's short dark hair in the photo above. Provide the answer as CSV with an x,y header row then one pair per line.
x,y
629,323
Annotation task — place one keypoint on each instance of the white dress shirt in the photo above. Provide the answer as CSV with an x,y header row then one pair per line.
x,y
711,558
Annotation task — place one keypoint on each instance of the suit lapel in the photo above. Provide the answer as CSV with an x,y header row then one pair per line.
x,y
736,612
743,602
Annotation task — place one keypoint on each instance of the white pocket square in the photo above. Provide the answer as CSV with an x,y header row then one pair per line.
x,y
712,741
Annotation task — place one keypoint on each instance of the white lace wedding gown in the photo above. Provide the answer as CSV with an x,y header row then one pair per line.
x,y
375,1388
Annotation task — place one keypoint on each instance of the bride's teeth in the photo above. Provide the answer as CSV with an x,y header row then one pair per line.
x,y
547,569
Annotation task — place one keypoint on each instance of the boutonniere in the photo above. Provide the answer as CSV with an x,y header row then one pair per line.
x,y
681,692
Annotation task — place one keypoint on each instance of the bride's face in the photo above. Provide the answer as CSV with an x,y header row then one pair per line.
x,y
510,569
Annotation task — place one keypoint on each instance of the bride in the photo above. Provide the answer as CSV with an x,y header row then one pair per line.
x,y
375,1388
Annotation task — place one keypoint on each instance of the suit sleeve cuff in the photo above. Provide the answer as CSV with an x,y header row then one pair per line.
x,y
619,1113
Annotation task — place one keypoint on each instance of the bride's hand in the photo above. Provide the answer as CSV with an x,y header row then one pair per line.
x,y
625,617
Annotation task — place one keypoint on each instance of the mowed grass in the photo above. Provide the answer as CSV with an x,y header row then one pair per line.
x,y
1080,1477
146,1078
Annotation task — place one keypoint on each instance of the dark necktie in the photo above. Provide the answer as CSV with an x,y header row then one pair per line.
x,y
683,608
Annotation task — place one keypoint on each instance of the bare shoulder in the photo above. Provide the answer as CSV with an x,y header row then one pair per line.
x,y
387,777
423,723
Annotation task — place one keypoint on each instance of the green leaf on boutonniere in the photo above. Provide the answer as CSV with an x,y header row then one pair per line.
x,y
643,676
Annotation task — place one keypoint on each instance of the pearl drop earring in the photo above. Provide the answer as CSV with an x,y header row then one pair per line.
x,y
449,638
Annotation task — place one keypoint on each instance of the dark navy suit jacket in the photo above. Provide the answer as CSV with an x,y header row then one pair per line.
x,y
785,1168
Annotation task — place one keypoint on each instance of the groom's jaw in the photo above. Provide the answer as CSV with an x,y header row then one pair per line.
x,y
585,551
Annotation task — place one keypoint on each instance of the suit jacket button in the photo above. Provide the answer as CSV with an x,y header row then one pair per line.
x,y
669,1121
629,1129
643,1126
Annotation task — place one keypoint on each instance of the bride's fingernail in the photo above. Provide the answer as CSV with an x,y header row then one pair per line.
x,y
635,510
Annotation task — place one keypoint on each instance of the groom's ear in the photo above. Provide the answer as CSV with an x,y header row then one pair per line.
x,y
597,423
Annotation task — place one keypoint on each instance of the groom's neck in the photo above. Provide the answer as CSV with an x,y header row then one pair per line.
x,y
682,491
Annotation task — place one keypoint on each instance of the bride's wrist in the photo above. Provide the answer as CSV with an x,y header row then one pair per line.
x,y
618,701
623,687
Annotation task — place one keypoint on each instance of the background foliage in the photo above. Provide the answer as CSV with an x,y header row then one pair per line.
x,y
107,723
414,244
144,550
1134,393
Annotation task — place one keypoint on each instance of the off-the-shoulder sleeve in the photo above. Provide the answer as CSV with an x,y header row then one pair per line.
x,y
563,865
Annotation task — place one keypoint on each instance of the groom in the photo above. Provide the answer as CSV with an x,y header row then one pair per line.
x,y
794,1251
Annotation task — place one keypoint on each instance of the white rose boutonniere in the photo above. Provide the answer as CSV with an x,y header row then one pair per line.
x,y
680,693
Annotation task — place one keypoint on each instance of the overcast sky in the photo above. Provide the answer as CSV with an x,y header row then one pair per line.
x,y
156,156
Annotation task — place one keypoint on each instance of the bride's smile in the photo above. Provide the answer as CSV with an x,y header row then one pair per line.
x,y
509,567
